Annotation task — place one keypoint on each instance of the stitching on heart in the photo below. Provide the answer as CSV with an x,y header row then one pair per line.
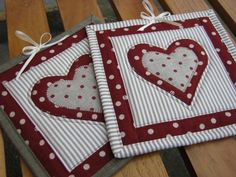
x,y
44,98
135,56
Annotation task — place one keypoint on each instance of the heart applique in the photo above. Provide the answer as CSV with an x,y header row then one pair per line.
x,y
177,69
72,96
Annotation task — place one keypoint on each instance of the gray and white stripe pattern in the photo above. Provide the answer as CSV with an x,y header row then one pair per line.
x,y
72,140
150,104
118,148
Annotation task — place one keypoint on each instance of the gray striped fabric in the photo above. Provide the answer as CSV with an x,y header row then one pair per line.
x,y
168,107
72,140
150,104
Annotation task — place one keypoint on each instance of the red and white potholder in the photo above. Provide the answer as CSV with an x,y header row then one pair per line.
x,y
165,86
55,107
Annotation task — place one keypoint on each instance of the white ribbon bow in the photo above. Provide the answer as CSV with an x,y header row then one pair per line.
x,y
150,16
35,47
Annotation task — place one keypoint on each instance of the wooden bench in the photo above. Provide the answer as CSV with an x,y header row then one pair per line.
x,y
211,159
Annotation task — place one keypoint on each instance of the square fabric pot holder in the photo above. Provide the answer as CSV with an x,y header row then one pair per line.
x,y
55,107
165,85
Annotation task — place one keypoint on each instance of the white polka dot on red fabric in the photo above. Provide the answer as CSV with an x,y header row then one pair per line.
x,y
159,82
172,92
109,61
41,142
217,49
229,62
150,131
41,99
177,43
52,156
2,107
51,51
4,93
111,77
118,86
200,63
101,32
86,166
60,43
27,142
203,53
118,103
126,29
71,176
153,28
43,58
121,116
228,114
213,120
191,46
189,95
12,114
49,83
34,92
94,116
122,134
144,51
102,153
136,57
147,73
113,30
19,131
205,20
202,126
79,114
175,125
168,136
125,97
195,73
102,45
22,121
75,36
213,33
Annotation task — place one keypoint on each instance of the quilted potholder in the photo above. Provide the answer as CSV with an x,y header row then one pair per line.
x,y
56,109
165,86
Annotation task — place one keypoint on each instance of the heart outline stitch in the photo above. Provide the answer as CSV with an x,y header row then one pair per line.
x,y
135,58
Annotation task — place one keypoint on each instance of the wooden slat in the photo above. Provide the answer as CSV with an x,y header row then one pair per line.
x,y
28,16
130,9
74,11
226,9
181,6
2,157
150,164
214,159
211,159
25,15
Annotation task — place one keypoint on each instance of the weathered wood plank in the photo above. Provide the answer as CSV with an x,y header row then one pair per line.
x,y
211,159
2,157
181,6
214,159
130,9
74,11
226,9
28,16
25,15
149,165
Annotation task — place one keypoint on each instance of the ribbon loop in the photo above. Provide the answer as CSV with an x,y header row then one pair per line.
x,y
33,49
150,16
